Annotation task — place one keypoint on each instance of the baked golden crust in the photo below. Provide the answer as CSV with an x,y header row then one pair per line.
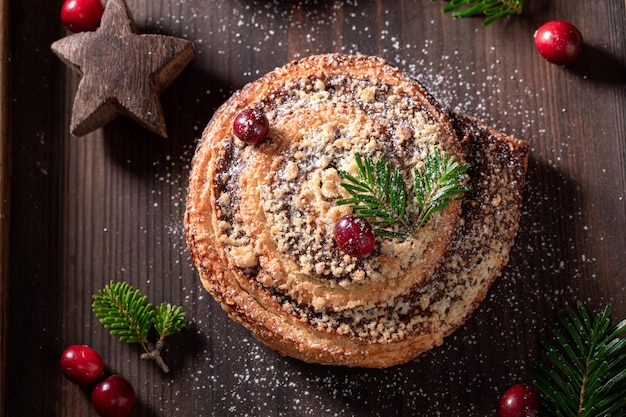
x,y
259,219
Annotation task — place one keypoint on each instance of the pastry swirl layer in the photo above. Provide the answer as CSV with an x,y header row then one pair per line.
x,y
260,219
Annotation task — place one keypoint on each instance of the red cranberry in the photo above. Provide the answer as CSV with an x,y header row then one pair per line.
x,y
354,236
81,364
81,15
558,42
251,126
520,400
113,397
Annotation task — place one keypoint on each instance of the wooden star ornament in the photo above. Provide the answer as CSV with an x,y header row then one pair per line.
x,y
123,72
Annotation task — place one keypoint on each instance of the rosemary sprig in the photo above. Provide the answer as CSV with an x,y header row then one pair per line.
x,y
492,9
126,313
379,193
585,371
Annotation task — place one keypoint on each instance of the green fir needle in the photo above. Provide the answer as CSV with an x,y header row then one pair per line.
x,y
379,194
127,314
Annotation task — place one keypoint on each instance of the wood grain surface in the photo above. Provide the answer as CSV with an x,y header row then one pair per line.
x,y
4,196
109,205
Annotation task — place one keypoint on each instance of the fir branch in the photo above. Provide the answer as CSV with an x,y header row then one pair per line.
x,y
492,9
440,183
169,320
585,371
379,193
126,313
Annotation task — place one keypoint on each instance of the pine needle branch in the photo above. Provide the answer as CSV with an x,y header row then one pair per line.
x,y
584,374
379,193
169,320
126,313
491,9
440,183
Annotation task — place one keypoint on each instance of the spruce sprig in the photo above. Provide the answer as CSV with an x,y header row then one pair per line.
x,y
492,9
440,183
127,314
379,193
585,371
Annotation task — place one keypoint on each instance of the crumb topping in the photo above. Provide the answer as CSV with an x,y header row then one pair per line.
x,y
317,124
274,210
441,301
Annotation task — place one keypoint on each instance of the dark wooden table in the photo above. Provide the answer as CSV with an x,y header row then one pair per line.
x,y
80,212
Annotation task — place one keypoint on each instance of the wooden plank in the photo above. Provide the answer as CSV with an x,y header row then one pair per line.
x,y
4,195
109,205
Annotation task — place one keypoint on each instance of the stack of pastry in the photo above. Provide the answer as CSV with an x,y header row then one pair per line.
x,y
260,218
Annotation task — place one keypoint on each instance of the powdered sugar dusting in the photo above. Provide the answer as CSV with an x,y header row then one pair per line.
x,y
221,377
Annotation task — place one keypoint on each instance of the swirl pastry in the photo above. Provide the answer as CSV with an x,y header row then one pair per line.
x,y
260,218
